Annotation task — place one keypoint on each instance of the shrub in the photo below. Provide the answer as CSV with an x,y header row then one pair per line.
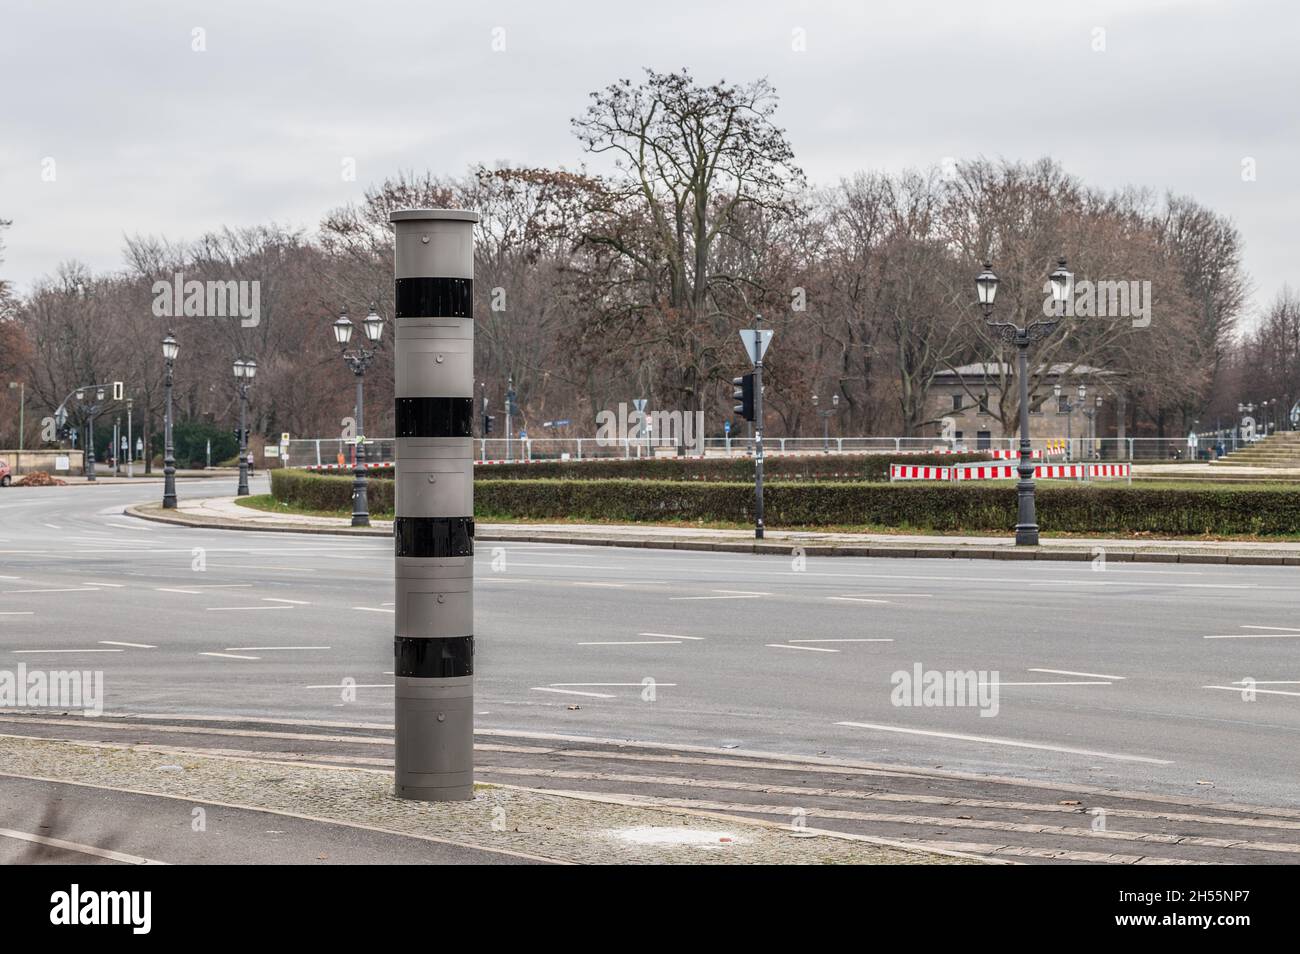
x,y
944,508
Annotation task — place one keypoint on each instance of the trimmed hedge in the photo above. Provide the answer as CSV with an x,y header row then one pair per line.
x,y
942,508
323,492
724,469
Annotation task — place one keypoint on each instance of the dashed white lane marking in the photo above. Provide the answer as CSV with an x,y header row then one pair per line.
x,y
846,640
574,692
229,656
113,642
1267,682
373,609
612,585
276,599
611,684
26,652
727,595
1266,692
66,589
1255,636
567,566
1014,743
1290,629
253,649
633,642
231,609
52,526
17,613
811,649
116,586
670,636
1067,672
855,599
999,683
81,849
171,589
360,685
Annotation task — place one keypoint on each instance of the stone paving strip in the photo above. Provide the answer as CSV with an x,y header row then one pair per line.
x,y
222,513
565,827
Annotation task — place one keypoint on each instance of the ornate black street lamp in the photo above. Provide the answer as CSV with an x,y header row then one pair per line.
x,y
358,360
244,371
171,348
986,286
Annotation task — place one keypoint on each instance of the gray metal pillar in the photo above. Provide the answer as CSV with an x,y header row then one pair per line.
x,y
434,520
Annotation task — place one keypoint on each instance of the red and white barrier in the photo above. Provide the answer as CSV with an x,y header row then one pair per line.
x,y
1013,454
1110,470
377,465
916,472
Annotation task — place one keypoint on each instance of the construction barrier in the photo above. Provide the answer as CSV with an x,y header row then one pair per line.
x,y
915,472
1013,454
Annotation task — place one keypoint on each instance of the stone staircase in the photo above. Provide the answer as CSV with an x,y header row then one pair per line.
x,y
1277,450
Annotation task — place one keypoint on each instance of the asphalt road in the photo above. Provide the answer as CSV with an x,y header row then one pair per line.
x,y
1105,677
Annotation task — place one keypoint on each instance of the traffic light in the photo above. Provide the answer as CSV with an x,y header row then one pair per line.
x,y
487,424
744,393
117,390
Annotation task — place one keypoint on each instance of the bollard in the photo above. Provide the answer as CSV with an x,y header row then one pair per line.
x,y
433,527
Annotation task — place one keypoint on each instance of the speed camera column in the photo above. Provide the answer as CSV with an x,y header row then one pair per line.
x,y
434,521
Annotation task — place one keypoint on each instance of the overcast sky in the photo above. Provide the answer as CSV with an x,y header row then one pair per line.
x,y
150,136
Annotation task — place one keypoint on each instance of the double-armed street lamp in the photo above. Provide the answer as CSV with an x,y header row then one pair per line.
x,y
986,287
91,411
1068,407
1091,414
171,348
244,371
826,416
357,361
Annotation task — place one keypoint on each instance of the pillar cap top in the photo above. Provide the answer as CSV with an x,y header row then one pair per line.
x,y
455,215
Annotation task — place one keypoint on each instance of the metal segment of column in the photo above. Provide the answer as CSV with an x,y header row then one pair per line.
x,y
433,344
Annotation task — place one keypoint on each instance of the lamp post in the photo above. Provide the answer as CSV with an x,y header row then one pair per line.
x,y
826,420
358,360
986,286
171,347
244,371
1091,414
22,419
1069,407
90,444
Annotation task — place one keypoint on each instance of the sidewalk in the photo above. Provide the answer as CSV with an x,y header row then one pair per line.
x,y
222,513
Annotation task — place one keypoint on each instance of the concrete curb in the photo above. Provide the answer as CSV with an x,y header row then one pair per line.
x,y
658,542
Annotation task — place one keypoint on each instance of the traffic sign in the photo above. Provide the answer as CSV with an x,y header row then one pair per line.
x,y
748,336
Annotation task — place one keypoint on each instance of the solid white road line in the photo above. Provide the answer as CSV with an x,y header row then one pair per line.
x,y
104,853
574,692
811,649
613,585
363,685
113,642
1287,628
855,599
229,656
18,613
1015,743
276,599
1066,672
373,609
1255,636
670,636
169,589
26,652
864,640
1267,692
1000,683
253,649
633,642
611,684
72,589
230,609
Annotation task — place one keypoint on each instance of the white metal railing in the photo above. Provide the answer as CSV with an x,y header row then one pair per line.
x,y
333,450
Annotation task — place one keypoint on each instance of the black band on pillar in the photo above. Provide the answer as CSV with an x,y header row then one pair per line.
x,y
435,417
433,658
434,536
435,298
